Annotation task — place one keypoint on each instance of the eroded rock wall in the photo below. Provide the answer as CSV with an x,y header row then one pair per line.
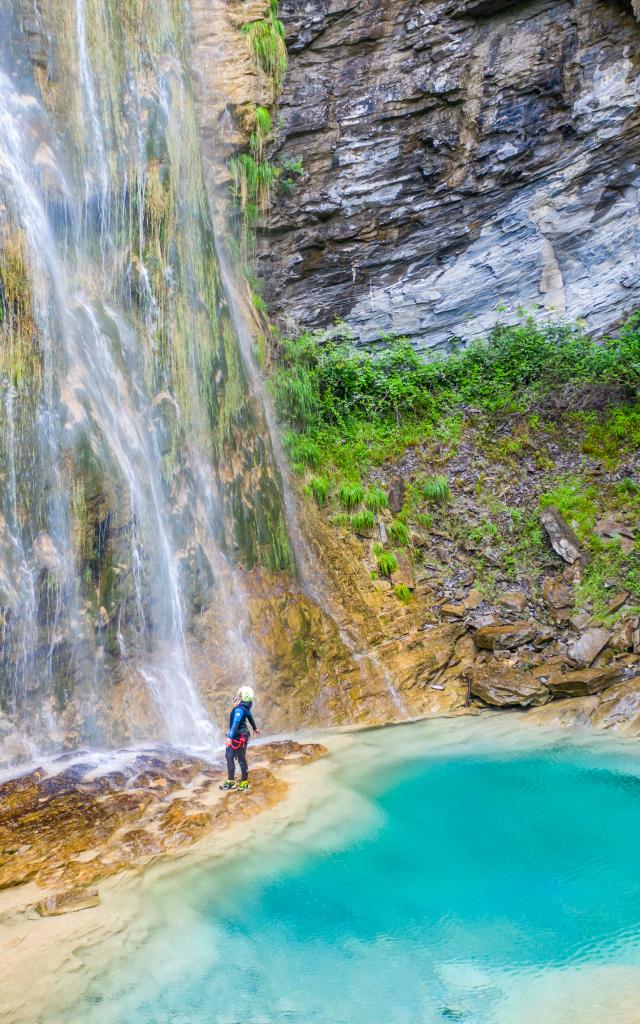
x,y
458,155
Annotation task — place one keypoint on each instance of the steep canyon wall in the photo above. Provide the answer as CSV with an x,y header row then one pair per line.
x,y
457,155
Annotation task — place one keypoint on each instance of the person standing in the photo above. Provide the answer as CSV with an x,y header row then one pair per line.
x,y
238,738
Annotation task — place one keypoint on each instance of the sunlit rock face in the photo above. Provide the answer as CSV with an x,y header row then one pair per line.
x,y
457,155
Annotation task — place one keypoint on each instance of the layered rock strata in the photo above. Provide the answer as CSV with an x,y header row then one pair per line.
x,y
458,155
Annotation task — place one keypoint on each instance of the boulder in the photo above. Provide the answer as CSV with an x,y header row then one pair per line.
x,y
562,538
45,554
506,637
580,621
587,647
619,708
515,600
503,686
396,494
555,594
68,902
583,682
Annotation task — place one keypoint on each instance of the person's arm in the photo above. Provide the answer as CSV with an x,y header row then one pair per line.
x,y
252,723
235,723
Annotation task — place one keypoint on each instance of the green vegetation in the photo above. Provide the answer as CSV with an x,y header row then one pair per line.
x,y
350,495
437,490
387,563
319,489
403,593
267,40
364,407
376,499
576,503
363,521
399,532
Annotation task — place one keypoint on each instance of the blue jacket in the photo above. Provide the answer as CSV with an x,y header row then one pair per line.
x,y
240,715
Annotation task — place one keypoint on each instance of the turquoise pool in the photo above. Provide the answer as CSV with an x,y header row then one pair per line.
x,y
461,881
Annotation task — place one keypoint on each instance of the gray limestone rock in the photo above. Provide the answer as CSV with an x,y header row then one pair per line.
x,y
563,540
458,155
587,647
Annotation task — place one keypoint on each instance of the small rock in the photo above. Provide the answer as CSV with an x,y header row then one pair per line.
x,y
585,681
563,540
510,636
557,595
492,556
580,621
68,902
516,600
383,532
617,602
588,646
455,610
610,528
473,600
622,636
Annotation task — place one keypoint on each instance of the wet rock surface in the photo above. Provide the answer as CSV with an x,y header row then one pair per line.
x,y
70,828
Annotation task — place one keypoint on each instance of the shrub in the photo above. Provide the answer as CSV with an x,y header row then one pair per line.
x,y
387,563
363,521
350,495
341,519
376,499
437,490
403,593
399,533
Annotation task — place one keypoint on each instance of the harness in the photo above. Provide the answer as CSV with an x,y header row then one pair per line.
x,y
239,742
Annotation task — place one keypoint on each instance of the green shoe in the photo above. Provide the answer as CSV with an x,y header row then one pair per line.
x,y
244,786
228,784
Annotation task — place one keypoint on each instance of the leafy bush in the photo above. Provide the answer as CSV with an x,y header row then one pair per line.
x,y
437,490
399,532
376,499
363,521
363,407
387,563
350,495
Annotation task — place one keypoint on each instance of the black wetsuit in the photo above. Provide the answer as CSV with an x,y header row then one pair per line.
x,y
239,734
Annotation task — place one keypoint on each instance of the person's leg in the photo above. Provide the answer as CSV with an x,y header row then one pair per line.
x,y
231,766
242,761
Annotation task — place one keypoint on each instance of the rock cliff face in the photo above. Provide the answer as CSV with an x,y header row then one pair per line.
x,y
458,154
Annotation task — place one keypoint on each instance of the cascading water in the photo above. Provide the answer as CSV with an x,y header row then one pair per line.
x,y
135,463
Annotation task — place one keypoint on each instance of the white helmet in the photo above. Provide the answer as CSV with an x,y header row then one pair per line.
x,y
245,693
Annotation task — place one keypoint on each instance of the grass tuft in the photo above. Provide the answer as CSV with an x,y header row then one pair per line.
x,y
350,495
363,521
376,499
387,563
437,490
399,532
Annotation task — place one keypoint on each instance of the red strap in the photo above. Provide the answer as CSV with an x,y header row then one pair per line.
x,y
239,742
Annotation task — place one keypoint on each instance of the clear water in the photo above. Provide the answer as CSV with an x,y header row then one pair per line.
x,y
474,883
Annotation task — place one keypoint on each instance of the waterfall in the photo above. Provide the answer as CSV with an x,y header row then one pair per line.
x,y
136,464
